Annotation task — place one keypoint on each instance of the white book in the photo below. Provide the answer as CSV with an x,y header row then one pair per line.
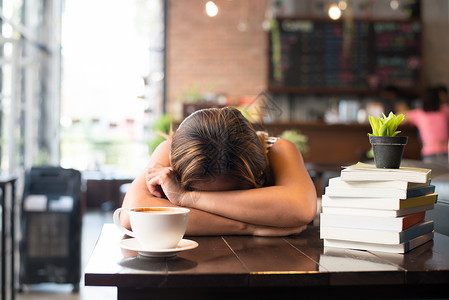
x,y
379,192
340,188
390,248
366,172
376,236
376,212
365,192
371,222
378,203
386,184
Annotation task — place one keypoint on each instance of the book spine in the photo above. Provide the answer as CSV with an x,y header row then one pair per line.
x,y
377,212
379,192
421,191
399,248
366,192
376,236
378,203
357,175
417,230
389,184
370,222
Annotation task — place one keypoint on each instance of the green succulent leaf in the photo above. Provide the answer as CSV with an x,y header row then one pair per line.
x,y
385,126
383,130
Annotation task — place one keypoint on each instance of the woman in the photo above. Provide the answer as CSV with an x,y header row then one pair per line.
x,y
432,121
233,179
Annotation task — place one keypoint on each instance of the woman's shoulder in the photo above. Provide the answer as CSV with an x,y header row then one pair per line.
x,y
277,143
413,114
283,147
285,158
163,146
161,155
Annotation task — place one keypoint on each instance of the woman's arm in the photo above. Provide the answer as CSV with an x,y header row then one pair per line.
x,y
200,222
290,202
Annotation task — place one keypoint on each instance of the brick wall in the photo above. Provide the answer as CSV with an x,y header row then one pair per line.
x,y
212,54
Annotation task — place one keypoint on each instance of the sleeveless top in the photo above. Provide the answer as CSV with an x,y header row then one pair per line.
x,y
270,141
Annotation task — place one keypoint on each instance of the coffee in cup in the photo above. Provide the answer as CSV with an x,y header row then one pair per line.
x,y
155,227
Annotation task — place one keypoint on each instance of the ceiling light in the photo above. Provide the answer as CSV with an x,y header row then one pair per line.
x,y
211,9
394,4
342,5
334,12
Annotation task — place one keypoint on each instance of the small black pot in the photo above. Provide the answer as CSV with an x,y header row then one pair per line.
x,y
388,150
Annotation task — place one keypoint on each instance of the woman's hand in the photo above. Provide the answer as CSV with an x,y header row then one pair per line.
x,y
162,183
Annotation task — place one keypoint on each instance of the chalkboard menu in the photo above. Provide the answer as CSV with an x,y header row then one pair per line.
x,y
351,56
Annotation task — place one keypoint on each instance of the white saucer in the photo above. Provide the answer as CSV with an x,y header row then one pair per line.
x,y
133,245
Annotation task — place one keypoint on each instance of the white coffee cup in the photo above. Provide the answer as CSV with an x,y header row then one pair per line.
x,y
155,227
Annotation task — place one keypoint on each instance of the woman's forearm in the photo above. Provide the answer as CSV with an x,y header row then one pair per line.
x,y
200,222
204,223
270,206
290,202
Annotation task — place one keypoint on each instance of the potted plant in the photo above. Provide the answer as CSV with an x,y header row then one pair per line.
x,y
387,147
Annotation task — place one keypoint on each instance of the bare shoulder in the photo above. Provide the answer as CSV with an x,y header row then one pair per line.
x,y
161,155
287,164
284,154
163,146
284,147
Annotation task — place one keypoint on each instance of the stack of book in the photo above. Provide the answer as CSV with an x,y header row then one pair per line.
x,y
375,209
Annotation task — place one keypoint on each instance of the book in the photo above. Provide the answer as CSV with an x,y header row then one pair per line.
x,y
376,236
378,203
391,248
364,172
371,222
376,212
387,184
379,192
340,188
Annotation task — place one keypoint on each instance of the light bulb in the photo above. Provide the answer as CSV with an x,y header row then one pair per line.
x,y
334,12
394,4
211,9
342,5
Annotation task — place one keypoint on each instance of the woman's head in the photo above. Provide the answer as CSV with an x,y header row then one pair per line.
x,y
431,100
218,144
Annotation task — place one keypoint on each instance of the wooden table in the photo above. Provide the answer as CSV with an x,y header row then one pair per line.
x,y
246,267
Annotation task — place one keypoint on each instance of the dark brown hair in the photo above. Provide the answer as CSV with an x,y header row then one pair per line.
x,y
216,142
431,100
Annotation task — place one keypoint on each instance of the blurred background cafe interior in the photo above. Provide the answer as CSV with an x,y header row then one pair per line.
x,y
87,85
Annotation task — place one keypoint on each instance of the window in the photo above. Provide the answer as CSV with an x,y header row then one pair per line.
x,y
29,84
112,83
